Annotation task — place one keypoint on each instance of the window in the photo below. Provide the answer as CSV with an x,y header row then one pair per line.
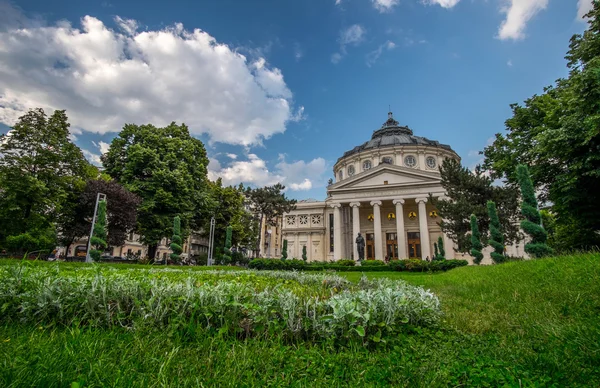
x,y
340,175
350,170
410,161
303,220
430,161
387,160
291,220
315,219
366,165
331,233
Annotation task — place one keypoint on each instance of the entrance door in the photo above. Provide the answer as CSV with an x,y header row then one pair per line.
x,y
391,243
414,245
370,246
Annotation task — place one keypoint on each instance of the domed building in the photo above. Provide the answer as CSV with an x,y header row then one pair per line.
x,y
381,191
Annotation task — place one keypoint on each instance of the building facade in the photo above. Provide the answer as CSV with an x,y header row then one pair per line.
x,y
381,190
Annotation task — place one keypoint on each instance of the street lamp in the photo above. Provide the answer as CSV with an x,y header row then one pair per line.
x,y
99,197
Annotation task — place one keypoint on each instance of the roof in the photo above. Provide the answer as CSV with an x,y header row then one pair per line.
x,y
392,134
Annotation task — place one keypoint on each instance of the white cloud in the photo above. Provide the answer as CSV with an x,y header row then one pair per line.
x,y
129,26
232,156
518,13
374,55
509,63
102,146
105,79
583,7
298,53
384,5
442,3
338,2
295,176
92,157
352,35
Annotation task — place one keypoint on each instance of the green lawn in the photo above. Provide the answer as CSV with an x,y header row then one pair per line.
x,y
533,323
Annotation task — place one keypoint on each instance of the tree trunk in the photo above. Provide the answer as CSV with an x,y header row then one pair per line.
x,y
152,250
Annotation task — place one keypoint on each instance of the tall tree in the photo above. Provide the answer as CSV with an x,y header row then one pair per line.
x,y
166,168
476,245
556,135
269,203
441,251
121,209
468,192
496,237
284,253
537,246
99,233
226,258
41,172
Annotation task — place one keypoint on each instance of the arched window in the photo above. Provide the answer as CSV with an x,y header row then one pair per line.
x,y
387,160
350,171
340,175
366,165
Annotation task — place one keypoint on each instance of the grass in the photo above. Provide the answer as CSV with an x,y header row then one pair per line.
x,y
532,323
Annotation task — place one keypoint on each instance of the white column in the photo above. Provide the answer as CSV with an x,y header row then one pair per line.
x,y
309,247
355,226
377,229
337,231
423,229
400,232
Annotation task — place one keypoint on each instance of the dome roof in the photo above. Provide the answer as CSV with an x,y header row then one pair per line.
x,y
392,134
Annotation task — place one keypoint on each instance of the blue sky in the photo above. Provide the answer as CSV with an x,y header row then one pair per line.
x,y
277,89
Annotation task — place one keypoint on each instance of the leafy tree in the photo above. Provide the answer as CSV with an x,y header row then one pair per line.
x,y
99,233
468,193
269,203
304,257
121,209
41,172
556,135
476,241
529,208
226,258
496,237
176,240
284,250
166,168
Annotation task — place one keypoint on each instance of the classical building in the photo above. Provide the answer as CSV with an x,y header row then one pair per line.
x,y
381,190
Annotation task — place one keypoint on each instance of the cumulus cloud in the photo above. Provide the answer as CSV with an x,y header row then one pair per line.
x,y
232,156
374,55
583,7
102,146
518,13
353,35
105,78
92,157
296,176
442,3
384,5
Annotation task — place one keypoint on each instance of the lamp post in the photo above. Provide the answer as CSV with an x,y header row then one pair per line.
x,y
211,241
99,197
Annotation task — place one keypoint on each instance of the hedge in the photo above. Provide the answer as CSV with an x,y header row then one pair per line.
x,y
412,265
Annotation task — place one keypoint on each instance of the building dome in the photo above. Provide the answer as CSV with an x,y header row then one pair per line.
x,y
392,134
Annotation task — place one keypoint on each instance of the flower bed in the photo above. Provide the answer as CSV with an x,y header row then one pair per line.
x,y
309,306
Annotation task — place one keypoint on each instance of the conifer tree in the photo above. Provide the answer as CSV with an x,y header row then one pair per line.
x,y
176,240
532,223
476,241
436,253
496,237
441,251
304,257
99,234
284,250
226,258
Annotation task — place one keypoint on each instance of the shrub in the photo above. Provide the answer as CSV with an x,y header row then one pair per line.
x,y
276,264
496,237
440,253
304,253
346,262
226,257
476,246
284,250
397,265
371,263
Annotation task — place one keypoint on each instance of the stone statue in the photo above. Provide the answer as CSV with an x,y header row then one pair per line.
x,y
360,247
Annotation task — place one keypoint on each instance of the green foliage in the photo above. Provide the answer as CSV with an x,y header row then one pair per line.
x,y
269,203
304,253
436,253
226,258
468,192
536,247
414,265
371,263
176,240
440,252
346,262
166,168
35,240
41,174
284,252
476,241
496,237
556,134
99,233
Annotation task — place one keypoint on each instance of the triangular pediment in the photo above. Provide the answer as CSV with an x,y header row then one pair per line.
x,y
387,175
